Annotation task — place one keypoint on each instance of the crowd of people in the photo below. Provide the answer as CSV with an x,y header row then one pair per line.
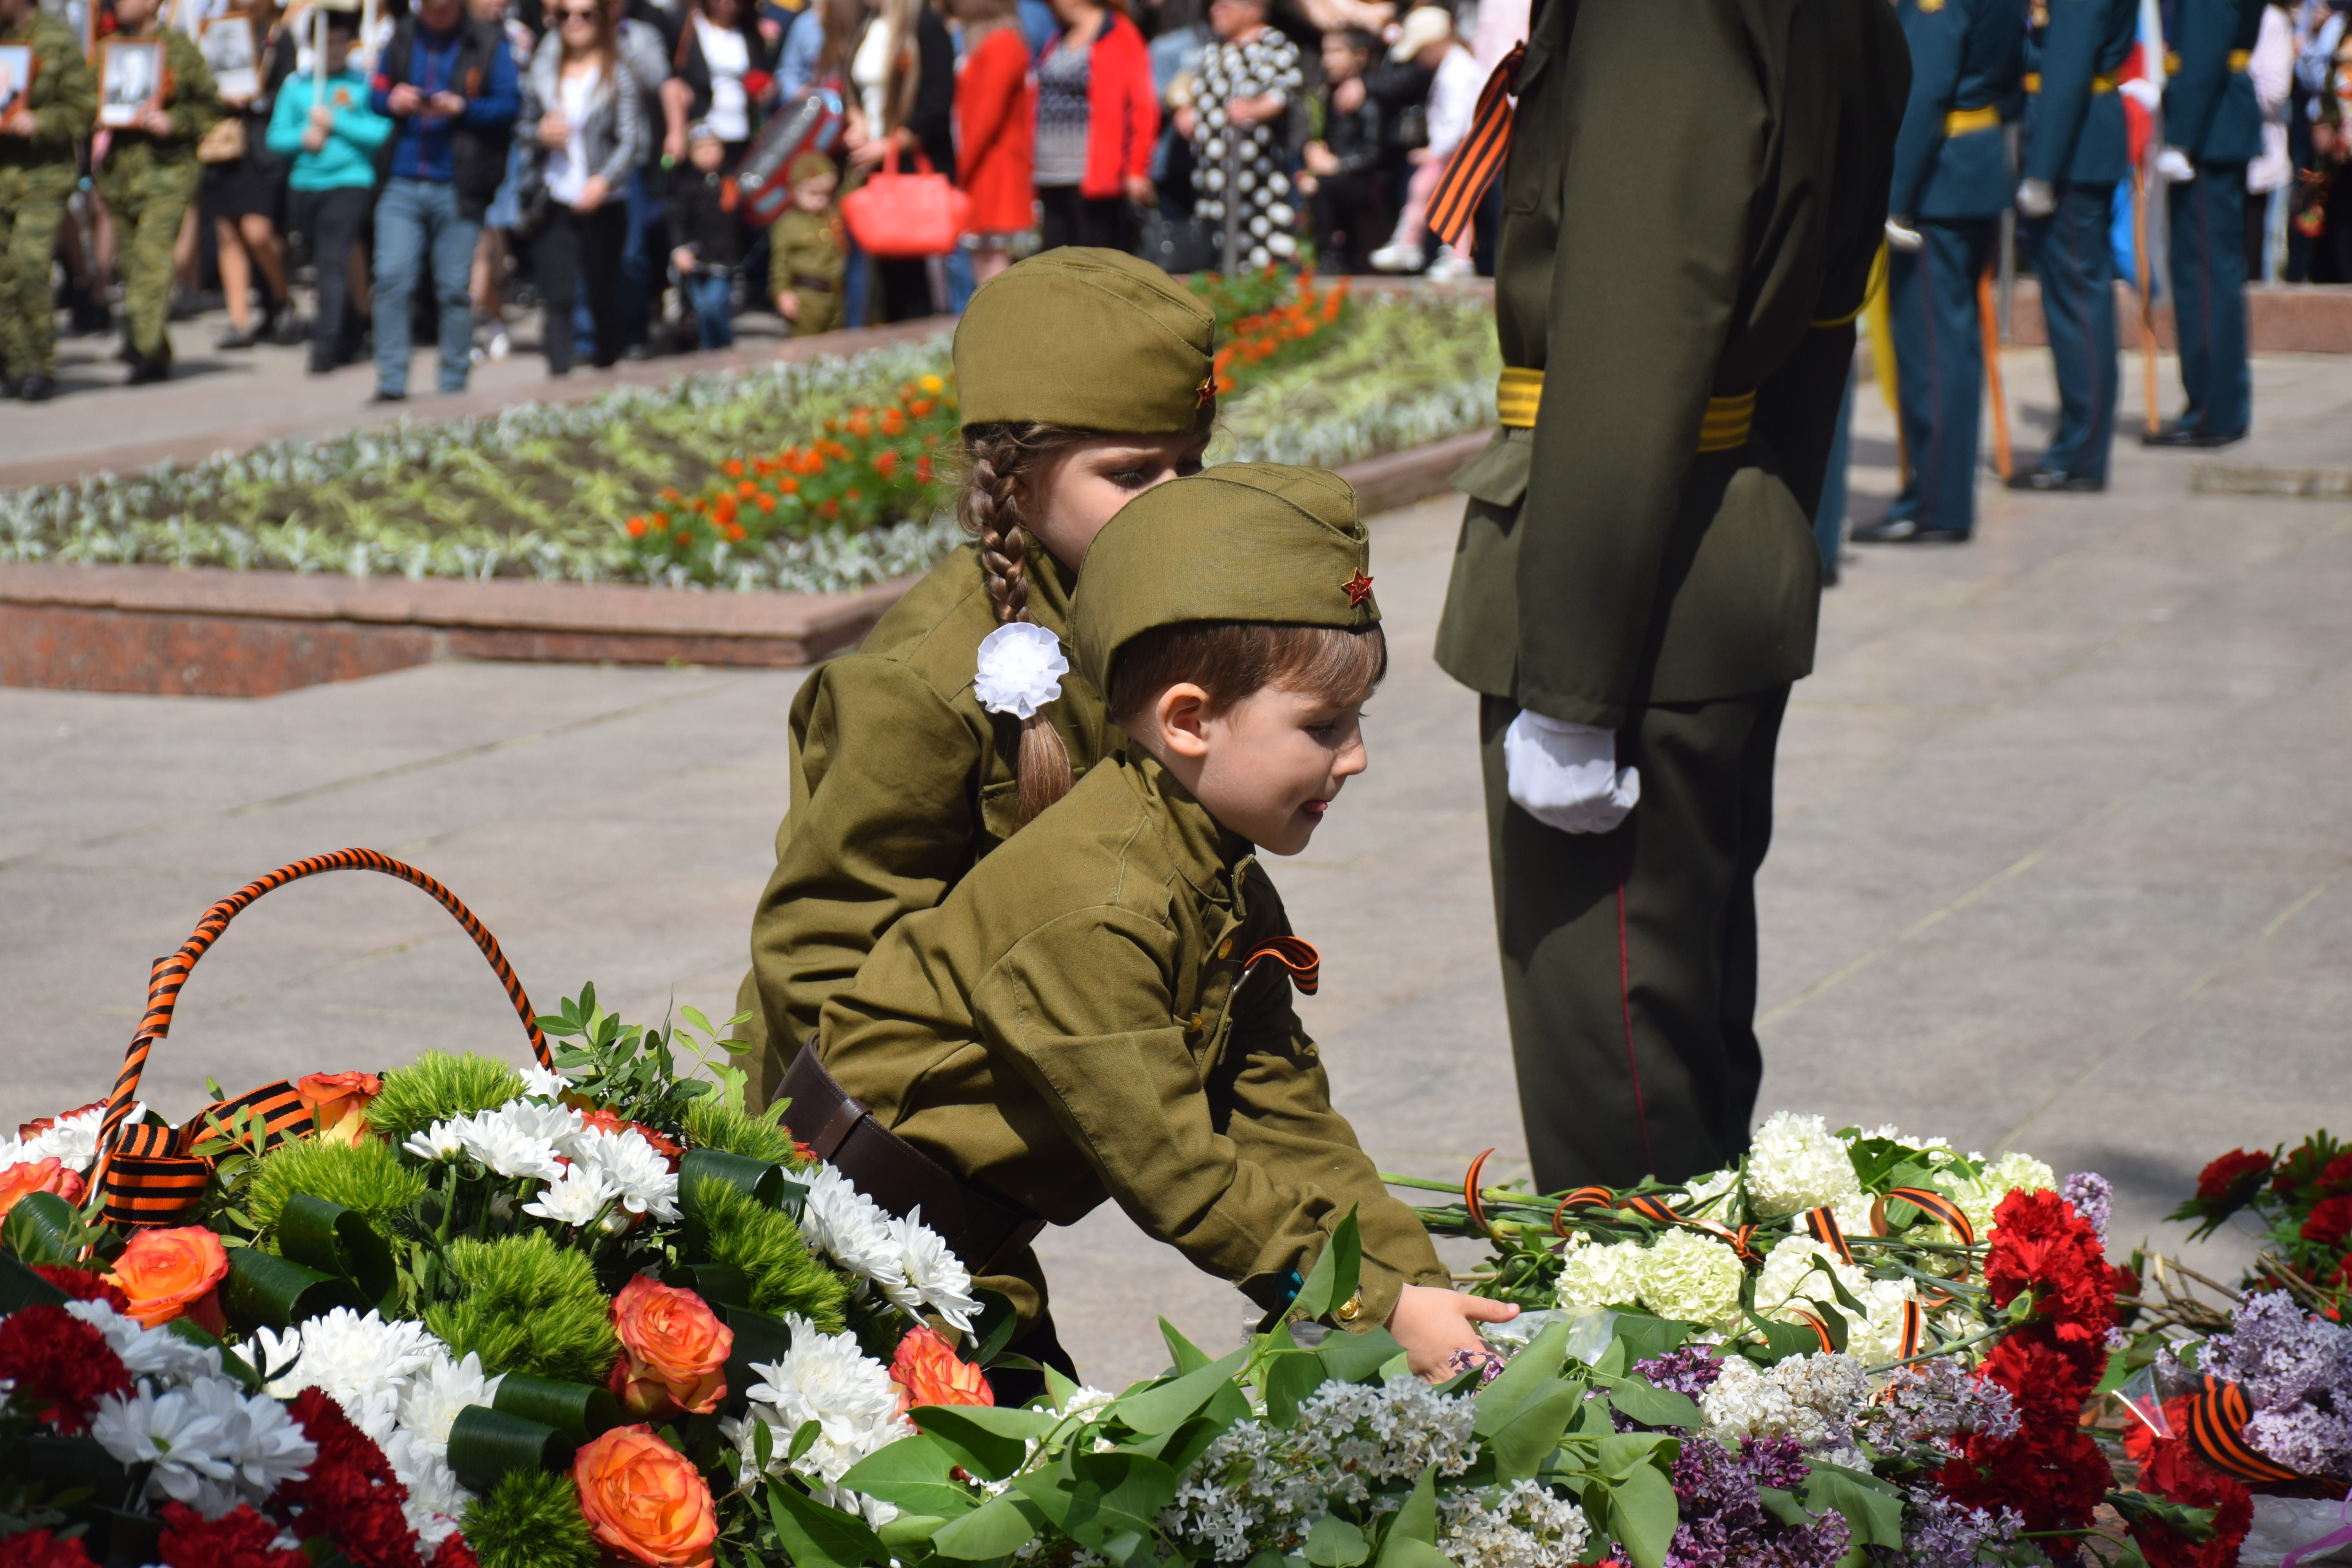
x,y
437,165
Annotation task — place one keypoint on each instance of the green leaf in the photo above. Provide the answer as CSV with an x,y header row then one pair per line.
x,y
761,1180
996,1528
1193,1437
1059,1390
333,1239
1784,1507
908,1529
1528,1370
2119,1370
1872,1507
1412,1539
816,1536
578,1411
1182,1353
764,1444
42,1229
1288,1378
988,1441
20,1287
1642,1514
1654,1407
486,1444
1647,1338
803,1440
1335,1543
758,1338
1357,1357
1534,1431
992,1331
264,1290
914,1473
1116,1493
1162,1408
1334,1277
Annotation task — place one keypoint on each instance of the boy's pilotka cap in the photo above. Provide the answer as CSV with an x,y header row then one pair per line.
x,y
1241,542
1096,340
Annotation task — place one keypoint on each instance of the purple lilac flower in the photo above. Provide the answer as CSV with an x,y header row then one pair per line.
x,y
1938,1532
1723,1519
2305,1438
2093,1196
1691,1370
1935,1403
1489,1364
2282,1357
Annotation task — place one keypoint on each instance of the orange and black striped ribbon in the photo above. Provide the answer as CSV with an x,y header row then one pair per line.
x,y
1928,1202
1480,157
155,1178
1822,1227
1657,1211
2217,1428
1820,1331
171,972
1915,1329
1296,955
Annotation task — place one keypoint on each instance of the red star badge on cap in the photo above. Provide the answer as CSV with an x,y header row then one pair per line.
x,y
1207,393
1358,588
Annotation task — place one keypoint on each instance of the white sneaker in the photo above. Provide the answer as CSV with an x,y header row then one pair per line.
x,y
1397,259
1451,269
500,344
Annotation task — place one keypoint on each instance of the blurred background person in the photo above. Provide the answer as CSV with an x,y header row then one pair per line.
x,y
722,69
1344,162
1098,118
583,119
705,240
1243,91
904,72
1429,41
329,140
809,251
996,129
245,197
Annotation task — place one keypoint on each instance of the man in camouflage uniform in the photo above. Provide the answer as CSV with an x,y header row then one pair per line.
x,y
149,176
36,175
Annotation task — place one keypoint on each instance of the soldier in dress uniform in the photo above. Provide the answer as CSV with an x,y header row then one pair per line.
x,y
1695,194
149,176
2212,130
1952,181
36,175
2077,149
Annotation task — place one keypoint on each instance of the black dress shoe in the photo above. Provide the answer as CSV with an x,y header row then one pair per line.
x,y
381,395
236,337
1906,531
2190,437
144,370
39,388
2055,480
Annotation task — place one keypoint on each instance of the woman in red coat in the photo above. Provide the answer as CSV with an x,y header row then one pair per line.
x,y
996,127
1098,117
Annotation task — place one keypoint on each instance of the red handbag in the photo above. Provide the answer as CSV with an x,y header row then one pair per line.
x,y
893,215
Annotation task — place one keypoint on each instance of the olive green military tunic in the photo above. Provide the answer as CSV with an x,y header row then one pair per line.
x,y
36,176
149,182
900,782
1694,192
1075,1024
805,256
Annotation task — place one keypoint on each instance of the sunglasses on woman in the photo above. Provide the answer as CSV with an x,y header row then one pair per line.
x,y
569,14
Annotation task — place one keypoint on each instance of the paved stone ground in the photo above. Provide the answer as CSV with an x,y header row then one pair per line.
x,y
2065,825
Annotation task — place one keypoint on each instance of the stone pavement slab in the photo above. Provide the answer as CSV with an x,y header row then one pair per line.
x,y
2061,863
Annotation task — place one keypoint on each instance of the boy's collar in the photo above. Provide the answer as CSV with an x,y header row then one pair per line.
x,y
1204,850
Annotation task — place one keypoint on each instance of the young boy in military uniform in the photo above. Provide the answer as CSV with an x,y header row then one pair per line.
x,y
1102,1009
806,258
149,179
36,175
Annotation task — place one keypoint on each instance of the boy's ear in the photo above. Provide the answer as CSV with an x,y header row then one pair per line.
x,y
1181,713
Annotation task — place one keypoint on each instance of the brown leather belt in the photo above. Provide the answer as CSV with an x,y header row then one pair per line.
x,y
978,1226
814,282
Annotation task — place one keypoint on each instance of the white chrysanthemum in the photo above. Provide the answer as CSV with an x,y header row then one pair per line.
x,y
543,1083
1595,1275
501,1144
852,1230
824,1378
1020,669
158,1357
557,1125
212,1448
636,1169
1811,1398
935,1276
437,1144
1692,1277
443,1387
1794,1164
436,1502
360,1362
574,1198
71,1140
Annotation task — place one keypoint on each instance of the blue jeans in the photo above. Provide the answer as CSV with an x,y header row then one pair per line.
x,y
417,221
714,318
645,209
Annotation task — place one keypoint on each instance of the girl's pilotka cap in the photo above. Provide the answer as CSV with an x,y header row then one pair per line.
x,y
1094,340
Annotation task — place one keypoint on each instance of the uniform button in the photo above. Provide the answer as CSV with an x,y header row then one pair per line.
x,y
1349,1310
1225,948
1194,1022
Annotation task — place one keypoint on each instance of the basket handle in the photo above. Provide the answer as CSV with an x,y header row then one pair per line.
x,y
172,972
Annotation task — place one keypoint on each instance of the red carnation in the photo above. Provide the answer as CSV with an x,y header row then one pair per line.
x,y
2337,1175
454,1552
41,1548
82,1284
2054,1477
2047,1384
2171,1469
2330,1221
59,1363
351,1496
2040,1244
2235,1176
239,1539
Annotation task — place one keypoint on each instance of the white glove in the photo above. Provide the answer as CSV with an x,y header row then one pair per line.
x,y
2144,92
1901,236
2035,198
2173,164
1566,775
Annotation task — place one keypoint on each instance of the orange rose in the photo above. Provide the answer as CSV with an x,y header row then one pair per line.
x,y
673,1350
928,1372
338,1102
171,1274
32,1176
644,1501
29,1130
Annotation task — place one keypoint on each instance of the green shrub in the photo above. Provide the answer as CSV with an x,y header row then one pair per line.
x,y
438,1086
531,1519
766,1244
524,1305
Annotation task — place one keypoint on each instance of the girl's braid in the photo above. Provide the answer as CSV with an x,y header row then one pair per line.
x,y
999,458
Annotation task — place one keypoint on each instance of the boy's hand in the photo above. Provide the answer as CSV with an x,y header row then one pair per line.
x,y
1432,1324
788,305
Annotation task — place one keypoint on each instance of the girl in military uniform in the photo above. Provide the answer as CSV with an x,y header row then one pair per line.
x,y
1102,1009
1084,377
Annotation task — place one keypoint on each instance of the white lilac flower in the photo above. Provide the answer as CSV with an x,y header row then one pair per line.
x,y
211,1445
636,1169
157,1357
575,1198
825,1379
852,1229
1020,669
1595,1275
1521,1525
1795,1164
935,1276
443,1387
1815,1399
360,1362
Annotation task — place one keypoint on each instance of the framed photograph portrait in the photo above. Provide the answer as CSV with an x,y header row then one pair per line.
x,y
231,51
130,79
15,75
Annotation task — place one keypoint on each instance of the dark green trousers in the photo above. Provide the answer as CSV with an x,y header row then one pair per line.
x,y
1629,958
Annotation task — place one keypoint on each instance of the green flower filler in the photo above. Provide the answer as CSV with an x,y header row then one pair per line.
x,y
437,1087
367,1179
531,1519
523,1305
711,1124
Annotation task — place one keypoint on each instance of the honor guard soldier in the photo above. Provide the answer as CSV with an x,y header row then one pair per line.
x,y
2076,151
1694,199
1952,182
149,177
38,133
2212,130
